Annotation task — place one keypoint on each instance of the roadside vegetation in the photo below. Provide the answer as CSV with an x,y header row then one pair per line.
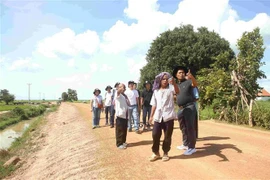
x,y
23,145
261,115
19,113
228,81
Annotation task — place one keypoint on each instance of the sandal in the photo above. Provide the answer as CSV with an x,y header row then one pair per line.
x,y
165,157
154,157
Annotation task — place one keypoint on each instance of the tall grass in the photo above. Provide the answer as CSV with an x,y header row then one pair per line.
x,y
260,114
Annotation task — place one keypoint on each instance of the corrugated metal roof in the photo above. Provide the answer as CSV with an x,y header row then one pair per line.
x,y
264,93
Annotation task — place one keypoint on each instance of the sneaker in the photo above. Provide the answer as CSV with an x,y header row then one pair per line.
x,y
189,151
182,147
122,147
154,157
98,126
165,157
125,144
94,127
138,132
112,127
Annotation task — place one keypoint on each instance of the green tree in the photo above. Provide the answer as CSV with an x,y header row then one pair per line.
x,y
246,69
64,96
6,96
200,50
72,95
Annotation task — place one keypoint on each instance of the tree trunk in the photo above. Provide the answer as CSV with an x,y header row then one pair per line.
x,y
250,121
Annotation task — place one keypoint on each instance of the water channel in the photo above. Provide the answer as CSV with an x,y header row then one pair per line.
x,y
9,134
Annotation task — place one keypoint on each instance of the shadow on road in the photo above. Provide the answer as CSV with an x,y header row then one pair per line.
x,y
140,143
210,149
212,138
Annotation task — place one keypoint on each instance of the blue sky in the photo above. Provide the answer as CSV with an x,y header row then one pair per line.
x,y
56,45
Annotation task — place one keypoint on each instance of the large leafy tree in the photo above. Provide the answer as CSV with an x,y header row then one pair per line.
x,y
246,69
6,96
202,51
184,46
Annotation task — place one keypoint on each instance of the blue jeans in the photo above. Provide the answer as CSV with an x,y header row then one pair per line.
x,y
96,116
133,112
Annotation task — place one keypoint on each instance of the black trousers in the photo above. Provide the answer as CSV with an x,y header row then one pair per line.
x,y
121,131
112,115
167,128
146,113
187,126
107,112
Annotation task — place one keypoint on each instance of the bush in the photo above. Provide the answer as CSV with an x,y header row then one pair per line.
x,y
17,111
35,111
18,114
261,117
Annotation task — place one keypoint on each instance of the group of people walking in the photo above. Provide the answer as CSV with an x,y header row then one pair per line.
x,y
157,103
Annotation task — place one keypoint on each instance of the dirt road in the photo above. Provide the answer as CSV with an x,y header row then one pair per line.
x,y
72,150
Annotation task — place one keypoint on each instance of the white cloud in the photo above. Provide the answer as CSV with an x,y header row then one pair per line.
x,y
216,15
145,7
122,37
134,66
78,80
105,68
75,78
93,67
2,59
202,13
71,63
25,65
68,43
233,29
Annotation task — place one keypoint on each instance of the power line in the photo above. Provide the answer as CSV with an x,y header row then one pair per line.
x,y
29,91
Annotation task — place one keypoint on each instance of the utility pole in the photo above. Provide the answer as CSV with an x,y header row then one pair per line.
x,y
29,91
39,95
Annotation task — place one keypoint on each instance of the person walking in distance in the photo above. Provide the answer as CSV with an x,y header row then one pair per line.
x,y
112,106
121,113
108,103
162,114
133,98
145,103
96,107
187,110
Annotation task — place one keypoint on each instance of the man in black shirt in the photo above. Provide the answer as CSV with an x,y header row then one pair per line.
x,y
145,102
139,102
187,110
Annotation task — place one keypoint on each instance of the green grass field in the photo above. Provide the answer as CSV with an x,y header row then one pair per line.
x,y
4,107
208,112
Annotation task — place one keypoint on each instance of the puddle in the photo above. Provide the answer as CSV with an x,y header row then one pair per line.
x,y
9,134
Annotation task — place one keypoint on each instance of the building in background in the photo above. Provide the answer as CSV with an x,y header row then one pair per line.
x,y
263,95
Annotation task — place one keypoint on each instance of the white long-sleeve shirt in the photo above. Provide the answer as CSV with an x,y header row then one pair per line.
x,y
163,100
121,107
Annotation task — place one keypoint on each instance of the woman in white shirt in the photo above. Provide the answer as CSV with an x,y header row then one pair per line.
x,y
96,107
162,114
